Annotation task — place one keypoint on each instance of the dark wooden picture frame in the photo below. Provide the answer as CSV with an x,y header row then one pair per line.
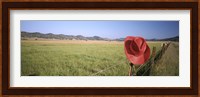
x,y
7,90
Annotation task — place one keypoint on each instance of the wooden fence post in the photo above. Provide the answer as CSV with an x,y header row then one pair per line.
x,y
131,69
153,54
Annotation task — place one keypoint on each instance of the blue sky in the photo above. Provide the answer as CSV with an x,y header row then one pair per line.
x,y
105,29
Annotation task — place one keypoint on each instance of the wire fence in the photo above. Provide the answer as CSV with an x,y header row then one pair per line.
x,y
144,69
104,70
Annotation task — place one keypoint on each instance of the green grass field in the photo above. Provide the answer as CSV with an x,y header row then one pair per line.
x,y
74,58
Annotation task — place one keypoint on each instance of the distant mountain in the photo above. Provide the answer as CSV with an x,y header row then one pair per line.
x,y
80,37
171,39
119,39
176,38
59,36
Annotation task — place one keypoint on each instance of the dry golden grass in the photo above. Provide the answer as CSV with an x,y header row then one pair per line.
x,y
71,42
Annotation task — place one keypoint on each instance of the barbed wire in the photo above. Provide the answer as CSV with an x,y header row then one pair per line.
x,y
156,58
101,71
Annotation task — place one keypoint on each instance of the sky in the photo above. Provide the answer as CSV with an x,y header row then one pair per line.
x,y
105,29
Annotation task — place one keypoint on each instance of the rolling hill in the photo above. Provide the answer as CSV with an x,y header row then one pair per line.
x,y
25,35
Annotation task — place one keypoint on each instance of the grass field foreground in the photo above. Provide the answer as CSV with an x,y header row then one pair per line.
x,y
74,58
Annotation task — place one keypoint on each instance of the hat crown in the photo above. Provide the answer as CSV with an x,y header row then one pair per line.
x,y
138,46
136,49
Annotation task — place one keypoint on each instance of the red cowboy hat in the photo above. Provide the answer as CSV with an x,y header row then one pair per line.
x,y
136,49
